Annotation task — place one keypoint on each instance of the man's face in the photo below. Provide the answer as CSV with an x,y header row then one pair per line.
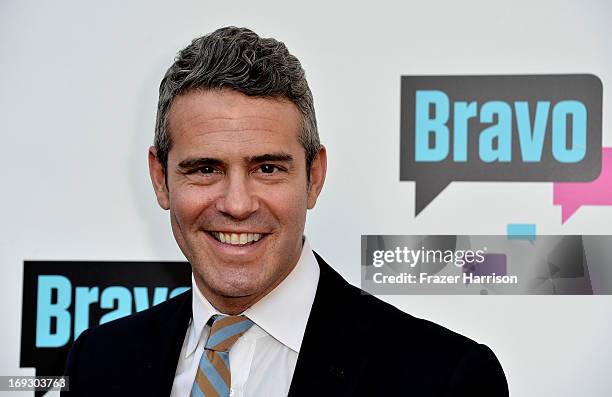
x,y
237,190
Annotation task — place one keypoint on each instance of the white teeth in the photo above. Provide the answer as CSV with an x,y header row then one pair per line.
x,y
237,238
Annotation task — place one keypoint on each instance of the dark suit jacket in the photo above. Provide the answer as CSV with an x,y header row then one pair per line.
x,y
354,345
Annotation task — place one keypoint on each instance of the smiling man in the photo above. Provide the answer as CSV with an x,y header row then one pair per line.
x,y
237,162
237,188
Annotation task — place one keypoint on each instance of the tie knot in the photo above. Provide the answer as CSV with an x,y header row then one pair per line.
x,y
225,331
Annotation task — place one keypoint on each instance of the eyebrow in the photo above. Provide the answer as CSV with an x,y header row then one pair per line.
x,y
198,162
191,163
275,157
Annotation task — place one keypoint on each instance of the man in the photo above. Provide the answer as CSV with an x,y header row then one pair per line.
x,y
237,162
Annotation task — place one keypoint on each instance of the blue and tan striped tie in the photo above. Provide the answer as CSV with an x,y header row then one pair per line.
x,y
213,375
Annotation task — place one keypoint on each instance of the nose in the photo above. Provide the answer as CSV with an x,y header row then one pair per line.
x,y
238,200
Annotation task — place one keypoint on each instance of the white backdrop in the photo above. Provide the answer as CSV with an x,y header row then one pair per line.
x,y
78,94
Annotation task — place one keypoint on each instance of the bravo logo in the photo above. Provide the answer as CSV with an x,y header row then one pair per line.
x,y
61,299
119,300
498,128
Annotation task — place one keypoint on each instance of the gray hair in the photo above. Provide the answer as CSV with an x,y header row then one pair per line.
x,y
238,59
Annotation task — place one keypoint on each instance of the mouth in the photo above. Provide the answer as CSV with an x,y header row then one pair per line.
x,y
237,239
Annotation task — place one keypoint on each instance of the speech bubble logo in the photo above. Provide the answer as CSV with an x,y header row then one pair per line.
x,y
75,295
541,128
572,196
521,231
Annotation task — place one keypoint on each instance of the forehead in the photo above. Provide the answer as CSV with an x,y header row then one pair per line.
x,y
214,117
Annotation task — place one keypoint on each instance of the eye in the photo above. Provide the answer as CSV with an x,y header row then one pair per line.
x,y
207,169
268,168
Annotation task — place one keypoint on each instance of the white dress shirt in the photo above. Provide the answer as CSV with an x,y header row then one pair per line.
x,y
263,360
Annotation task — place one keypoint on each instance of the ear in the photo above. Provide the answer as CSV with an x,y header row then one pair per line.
x,y
158,178
318,170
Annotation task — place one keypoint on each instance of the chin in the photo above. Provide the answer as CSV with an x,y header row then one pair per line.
x,y
236,280
235,285
236,290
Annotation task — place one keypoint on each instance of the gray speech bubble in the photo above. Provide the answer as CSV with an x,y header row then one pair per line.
x,y
540,106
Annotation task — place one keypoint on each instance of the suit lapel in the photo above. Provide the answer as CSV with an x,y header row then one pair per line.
x,y
328,362
168,334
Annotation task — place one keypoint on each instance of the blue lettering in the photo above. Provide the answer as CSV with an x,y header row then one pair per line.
x,y
141,297
531,141
425,125
502,131
114,297
84,297
559,133
177,291
432,137
124,303
463,112
45,310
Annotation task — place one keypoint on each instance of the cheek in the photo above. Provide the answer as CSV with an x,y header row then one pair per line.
x,y
187,203
289,206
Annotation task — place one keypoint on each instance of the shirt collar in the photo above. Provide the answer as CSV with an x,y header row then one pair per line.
x,y
202,311
282,313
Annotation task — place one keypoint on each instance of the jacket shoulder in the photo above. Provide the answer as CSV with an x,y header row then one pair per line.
x,y
140,323
388,320
446,362
114,357
381,319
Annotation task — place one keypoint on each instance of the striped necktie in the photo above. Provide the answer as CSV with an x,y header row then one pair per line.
x,y
213,375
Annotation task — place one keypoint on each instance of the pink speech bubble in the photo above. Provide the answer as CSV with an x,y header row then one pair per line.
x,y
571,196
